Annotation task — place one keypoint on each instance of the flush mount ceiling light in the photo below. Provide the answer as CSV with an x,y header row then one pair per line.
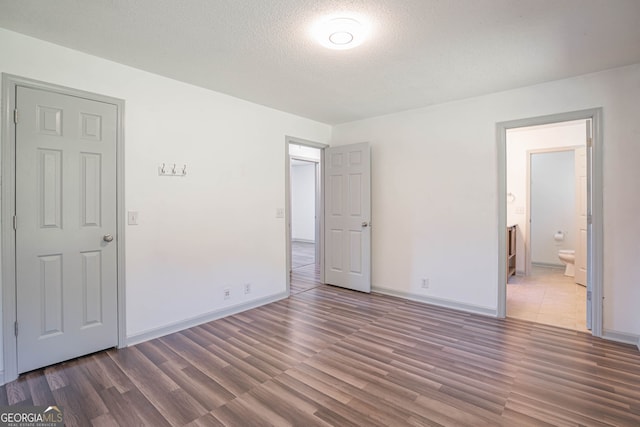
x,y
340,32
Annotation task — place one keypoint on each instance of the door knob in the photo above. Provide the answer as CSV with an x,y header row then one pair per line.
x,y
107,238
365,224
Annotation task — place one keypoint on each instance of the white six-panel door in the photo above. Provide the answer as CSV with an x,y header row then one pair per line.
x,y
66,280
348,216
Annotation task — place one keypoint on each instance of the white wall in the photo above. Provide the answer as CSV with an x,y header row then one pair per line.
x,y
553,205
519,142
305,152
435,183
303,202
216,227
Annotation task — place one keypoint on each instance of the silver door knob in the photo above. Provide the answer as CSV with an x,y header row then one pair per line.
x,y
107,238
365,224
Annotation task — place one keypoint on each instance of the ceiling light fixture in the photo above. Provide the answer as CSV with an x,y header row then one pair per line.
x,y
340,32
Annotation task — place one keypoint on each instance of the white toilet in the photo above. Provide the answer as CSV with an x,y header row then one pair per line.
x,y
568,257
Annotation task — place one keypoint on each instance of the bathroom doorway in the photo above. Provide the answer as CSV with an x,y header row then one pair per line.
x,y
547,183
556,205
547,289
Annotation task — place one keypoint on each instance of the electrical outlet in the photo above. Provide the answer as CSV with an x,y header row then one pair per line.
x,y
247,288
425,283
227,293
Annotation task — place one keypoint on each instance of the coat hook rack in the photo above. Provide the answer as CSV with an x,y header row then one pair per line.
x,y
163,170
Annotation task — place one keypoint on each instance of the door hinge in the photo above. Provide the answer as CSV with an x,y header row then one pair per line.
x,y
589,219
588,295
15,327
15,116
589,142
15,222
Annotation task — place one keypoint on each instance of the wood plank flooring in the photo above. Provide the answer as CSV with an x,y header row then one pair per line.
x,y
304,271
332,357
302,254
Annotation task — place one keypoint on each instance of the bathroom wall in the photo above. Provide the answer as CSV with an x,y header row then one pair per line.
x,y
519,142
553,206
303,202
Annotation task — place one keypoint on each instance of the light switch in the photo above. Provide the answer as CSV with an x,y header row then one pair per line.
x,y
280,213
132,218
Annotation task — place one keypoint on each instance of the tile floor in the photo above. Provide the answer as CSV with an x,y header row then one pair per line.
x,y
547,296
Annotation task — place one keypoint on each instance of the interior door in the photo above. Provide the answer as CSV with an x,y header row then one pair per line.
x,y
318,216
66,286
348,216
581,215
588,238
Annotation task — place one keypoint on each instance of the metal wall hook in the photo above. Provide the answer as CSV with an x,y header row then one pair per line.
x,y
172,171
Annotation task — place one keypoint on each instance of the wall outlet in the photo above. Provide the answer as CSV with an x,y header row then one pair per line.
x,y
227,293
424,283
247,288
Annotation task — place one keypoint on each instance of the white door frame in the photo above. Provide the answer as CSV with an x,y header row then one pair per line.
x,y
595,239
527,219
8,257
289,140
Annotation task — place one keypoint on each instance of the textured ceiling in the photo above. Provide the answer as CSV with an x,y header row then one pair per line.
x,y
421,52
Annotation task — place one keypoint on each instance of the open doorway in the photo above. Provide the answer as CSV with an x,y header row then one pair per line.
x,y
304,213
550,181
546,189
342,245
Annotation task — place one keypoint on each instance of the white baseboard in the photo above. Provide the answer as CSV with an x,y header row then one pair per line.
x,y
303,240
440,302
622,337
203,318
548,265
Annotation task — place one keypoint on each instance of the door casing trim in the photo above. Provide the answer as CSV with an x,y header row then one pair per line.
x,y
595,261
8,240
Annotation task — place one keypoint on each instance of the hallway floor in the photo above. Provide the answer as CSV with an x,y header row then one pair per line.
x,y
305,274
548,296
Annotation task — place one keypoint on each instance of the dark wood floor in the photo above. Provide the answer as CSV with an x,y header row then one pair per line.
x,y
328,356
